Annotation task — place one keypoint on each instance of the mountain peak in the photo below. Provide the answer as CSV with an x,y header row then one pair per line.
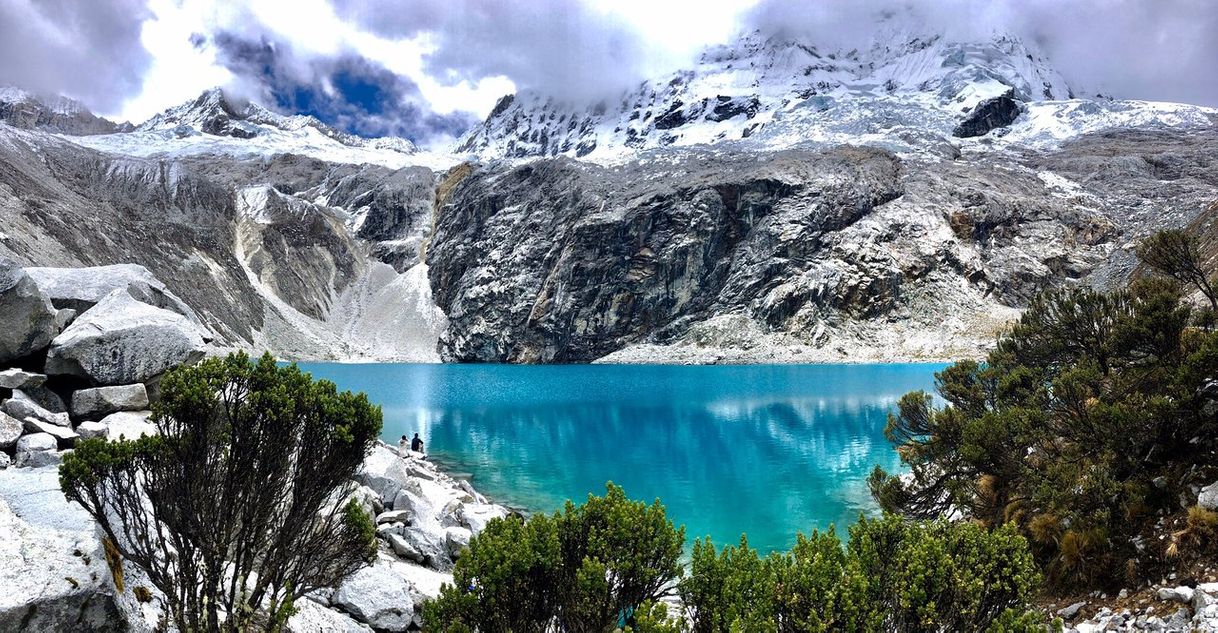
x,y
220,113
60,114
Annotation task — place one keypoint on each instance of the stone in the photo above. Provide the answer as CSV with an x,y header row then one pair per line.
x,y
102,401
26,312
378,597
456,539
311,617
48,585
405,548
5,460
64,435
431,546
128,424
988,115
37,449
368,499
1208,497
80,289
393,516
10,431
1176,594
19,379
21,406
121,341
90,429
383,472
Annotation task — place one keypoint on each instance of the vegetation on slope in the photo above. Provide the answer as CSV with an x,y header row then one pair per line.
x,y
234,509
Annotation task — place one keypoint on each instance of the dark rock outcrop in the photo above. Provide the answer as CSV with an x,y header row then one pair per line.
x,y
989,115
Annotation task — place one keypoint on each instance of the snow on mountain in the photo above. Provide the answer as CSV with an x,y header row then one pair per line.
x,y
217,124
905,93
64,115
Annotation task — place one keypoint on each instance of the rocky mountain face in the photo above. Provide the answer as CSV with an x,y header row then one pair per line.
x,y
22,109
776,202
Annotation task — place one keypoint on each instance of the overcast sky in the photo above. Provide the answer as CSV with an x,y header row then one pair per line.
x,y
427,69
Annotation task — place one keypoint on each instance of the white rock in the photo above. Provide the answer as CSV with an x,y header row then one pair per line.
x,y
378,597
456,539
101,401
128,424
393,516
383,472
80,289
122,341
26,312
63,434
1178,594
21,406
311,617
5,460
42,539
90,429
17,379
405,548
1208,497
10,431
36,449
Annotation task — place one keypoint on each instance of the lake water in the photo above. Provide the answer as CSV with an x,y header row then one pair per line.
x,y
768,450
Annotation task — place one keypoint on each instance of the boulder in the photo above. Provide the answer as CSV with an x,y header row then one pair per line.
x,y
10,431
52,567
456,539
5,460
378,597
383,472
64,435
21,406
90,429
128,424
368,499
80,289
1176,594
311,617
393,516
102,401
405,548
19,379
45,398
988,115
1208,497
123,341
1068,613
28,316
431,546
37,449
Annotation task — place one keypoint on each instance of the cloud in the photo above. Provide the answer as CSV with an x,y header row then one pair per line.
x,y
558,47
345,90
87,50
1135,49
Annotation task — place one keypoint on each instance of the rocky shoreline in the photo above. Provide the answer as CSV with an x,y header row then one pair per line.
x,y
82,358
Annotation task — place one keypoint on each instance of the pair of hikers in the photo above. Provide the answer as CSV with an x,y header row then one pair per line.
x,y
415,445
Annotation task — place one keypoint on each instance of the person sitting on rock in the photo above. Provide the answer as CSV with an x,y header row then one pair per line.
x,y
416,444
402,446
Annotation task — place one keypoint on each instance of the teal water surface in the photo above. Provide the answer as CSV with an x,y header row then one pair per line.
x,y
767,450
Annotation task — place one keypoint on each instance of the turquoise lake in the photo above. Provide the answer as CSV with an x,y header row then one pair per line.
x,y
767,450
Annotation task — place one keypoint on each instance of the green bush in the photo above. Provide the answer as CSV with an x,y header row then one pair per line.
x,y
1083,427
893,575
235,508
587,568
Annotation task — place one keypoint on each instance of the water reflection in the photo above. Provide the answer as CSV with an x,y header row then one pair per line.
x,y
759,449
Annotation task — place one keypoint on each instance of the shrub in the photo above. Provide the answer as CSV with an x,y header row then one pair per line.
x,y
587,568
893,575
1082,427
235,509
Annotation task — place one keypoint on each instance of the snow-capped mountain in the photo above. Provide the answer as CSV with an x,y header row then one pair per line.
x,y
26,110
219,124
905,93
